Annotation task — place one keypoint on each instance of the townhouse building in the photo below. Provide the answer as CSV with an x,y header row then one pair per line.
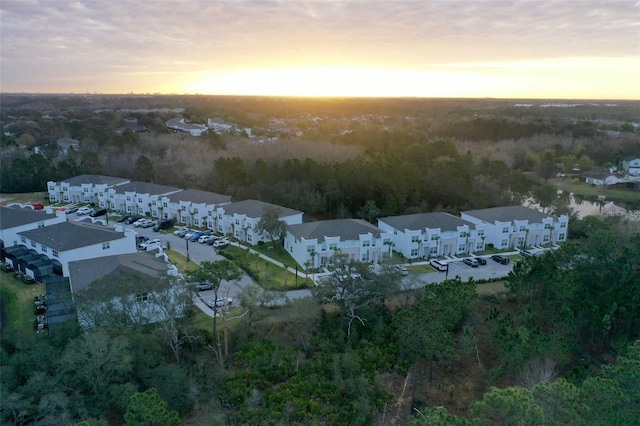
x,y
436,234
82,189
313,244
135,197
518,226
240,219
191,207
13,221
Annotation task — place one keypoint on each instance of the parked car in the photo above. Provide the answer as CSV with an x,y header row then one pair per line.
x,y
438,265
69,210
149,223
203,286
122,218
189,234
99,212
146,243
143,223
212,239
471,262
84,211
163,225
500,259
481,260
401,270
132,219
181,232
153,246
223,242
528,253
204,239
217,303
194,237
38,206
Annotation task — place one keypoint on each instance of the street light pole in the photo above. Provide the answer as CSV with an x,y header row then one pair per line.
x,y
446,277
187,240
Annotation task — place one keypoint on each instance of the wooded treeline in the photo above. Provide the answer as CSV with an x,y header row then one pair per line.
x,y
560,345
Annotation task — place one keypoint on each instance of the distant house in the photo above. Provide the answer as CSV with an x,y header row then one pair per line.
x,y
425,235
240,219
133,125
82,188
313,244
218,125
65,144
600,178
631,165
518,226
179,125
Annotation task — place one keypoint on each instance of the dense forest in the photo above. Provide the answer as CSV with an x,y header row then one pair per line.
x,y
557,348
560,346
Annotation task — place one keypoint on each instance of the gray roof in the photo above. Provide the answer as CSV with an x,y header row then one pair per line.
x,y
66,143
198,196
346,229
11,217
254,209
84,272
596,175
508,214
145,188
94,179
71,235
421,221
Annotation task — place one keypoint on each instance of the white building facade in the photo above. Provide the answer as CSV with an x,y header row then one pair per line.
x,y
135,197
241,218
81,189
192,207
13,221
517,227
70,241
313,244
436,234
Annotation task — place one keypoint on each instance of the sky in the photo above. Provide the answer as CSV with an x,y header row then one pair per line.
x,y
535,49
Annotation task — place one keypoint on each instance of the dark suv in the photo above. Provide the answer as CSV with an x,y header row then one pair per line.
x,y
500,259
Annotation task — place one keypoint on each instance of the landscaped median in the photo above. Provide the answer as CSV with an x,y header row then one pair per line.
x,y
269,275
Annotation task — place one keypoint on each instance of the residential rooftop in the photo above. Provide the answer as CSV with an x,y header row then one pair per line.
x,y
146,188
94,179
11,217
508,214
346,229
198,196
255,208
420,221
71,235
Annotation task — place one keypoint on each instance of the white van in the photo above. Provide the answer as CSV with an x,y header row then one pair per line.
x,y
439,265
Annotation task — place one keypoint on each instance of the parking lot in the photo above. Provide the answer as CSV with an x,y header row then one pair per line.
x,y
491,270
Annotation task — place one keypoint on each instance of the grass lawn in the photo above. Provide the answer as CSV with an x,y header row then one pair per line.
x,y
421,269
592,191
279,254
26,198
268,275
18,299
180,261
491,289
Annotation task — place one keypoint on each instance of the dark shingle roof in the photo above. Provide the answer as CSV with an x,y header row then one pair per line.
x,y
596,175
198,196
71,235
421,221
84,272
346,229
508,214
94,179
145,188
254,208
12,217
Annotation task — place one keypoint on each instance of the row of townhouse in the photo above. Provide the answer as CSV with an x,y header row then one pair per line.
x,y
179,125
424,235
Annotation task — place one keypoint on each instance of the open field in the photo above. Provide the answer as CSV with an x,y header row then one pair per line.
x,y
592,192
26,198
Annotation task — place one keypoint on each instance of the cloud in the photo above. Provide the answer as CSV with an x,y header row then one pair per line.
x,y
56,39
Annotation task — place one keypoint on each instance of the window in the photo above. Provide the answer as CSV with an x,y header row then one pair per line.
x,y
365,256
154,203
310,249
461,247
209,213
23,239
366,243
561,237
128,209
164,204
547,226
220,216
545,239
479,246
195,211
415,239
433,250
142,297
40,224
139,200
434,237
85,190
563,224
110,195
249,238
43,248
414,252
523,228
106,245
33,244
505,230
220,228
52,188
503,243
333,246
55,253
480,232
520,241
196,222
128,198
